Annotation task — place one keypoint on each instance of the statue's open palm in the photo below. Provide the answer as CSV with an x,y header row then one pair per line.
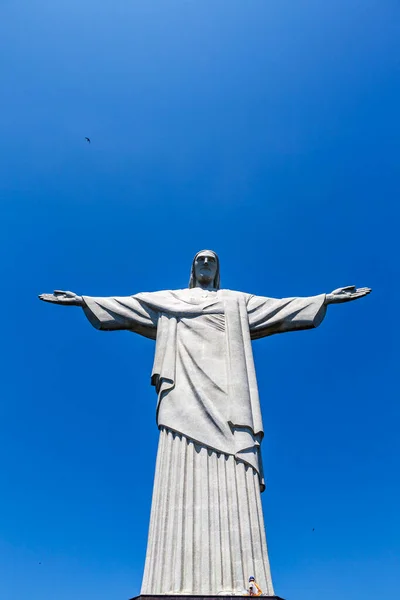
x,y
346,294
61,297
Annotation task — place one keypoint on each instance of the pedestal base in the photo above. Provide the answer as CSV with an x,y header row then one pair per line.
x,y
181,597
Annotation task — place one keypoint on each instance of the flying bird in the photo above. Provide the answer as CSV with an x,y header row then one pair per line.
x,y
87,139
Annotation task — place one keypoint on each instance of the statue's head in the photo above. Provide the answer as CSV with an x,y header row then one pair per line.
x,y
205,269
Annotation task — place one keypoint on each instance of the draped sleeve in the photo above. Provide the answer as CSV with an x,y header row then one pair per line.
x,y
268,316
122,312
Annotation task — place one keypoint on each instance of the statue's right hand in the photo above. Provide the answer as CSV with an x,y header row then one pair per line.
x,y
60,297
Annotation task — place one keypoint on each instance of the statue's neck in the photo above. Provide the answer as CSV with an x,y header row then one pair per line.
x,y
206,286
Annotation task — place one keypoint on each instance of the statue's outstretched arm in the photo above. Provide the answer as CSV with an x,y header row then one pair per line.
x,y
61,297
268,316
111,313
346,294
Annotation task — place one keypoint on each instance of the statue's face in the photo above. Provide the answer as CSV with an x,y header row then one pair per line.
x,y
205,267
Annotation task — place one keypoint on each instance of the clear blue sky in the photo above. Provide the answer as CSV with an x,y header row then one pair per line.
x,y
269,131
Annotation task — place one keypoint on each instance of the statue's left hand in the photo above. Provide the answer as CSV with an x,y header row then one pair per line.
x,y
346,294
61,297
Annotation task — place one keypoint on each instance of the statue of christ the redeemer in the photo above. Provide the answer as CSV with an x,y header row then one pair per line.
x,y
206,532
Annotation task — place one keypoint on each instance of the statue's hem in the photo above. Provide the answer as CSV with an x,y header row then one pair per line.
x,y
200,596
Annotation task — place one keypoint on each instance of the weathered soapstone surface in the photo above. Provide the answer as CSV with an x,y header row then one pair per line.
x,y
206,534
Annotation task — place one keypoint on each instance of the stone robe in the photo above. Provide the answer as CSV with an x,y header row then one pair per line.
x,y
206,529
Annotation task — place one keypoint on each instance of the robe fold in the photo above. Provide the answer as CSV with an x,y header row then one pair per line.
x,y
207,392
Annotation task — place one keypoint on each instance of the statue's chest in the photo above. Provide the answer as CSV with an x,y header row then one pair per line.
x,y
203,297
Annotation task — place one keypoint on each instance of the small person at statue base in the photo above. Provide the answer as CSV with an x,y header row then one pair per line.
x,y
254,589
